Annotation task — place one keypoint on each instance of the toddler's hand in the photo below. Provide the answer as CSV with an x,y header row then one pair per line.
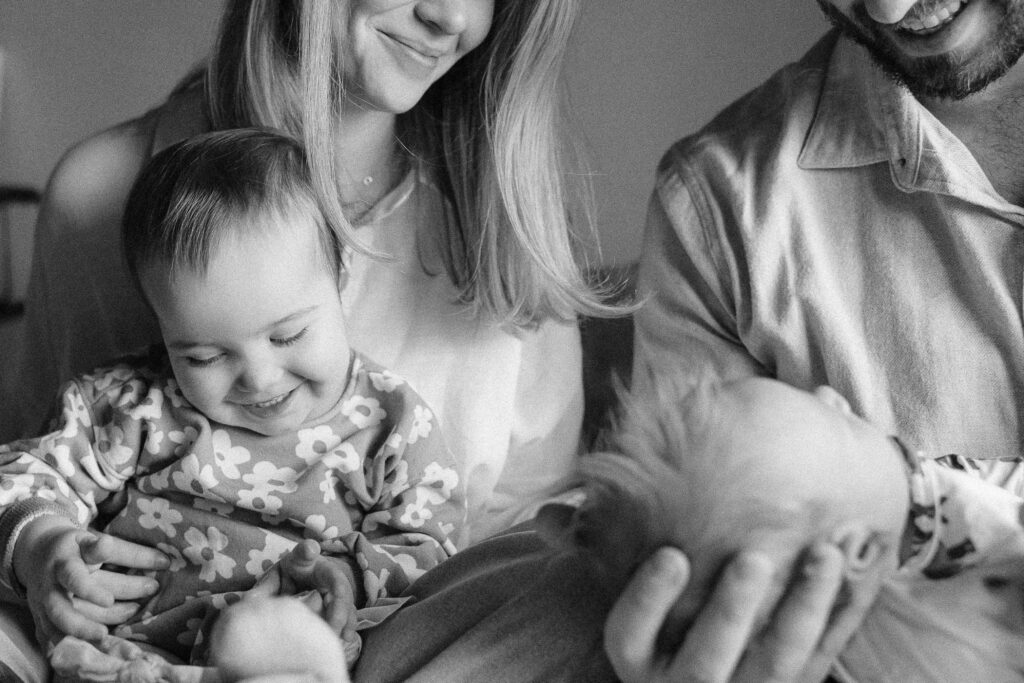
x,y
305,568
67,592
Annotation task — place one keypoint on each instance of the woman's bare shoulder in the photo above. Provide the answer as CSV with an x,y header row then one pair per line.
x,y
91,181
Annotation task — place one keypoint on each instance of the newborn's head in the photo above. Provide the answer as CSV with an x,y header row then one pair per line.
x,y
717,468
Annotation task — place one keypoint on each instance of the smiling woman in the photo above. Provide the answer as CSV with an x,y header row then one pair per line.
x,y
466,275
436,143
390,53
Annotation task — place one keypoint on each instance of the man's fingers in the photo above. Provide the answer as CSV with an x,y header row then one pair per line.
x,y
631,630
720,634
106,549
858,596
786,648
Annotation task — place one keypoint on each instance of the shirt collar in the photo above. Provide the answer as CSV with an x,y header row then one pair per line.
x,y
864,117
848,129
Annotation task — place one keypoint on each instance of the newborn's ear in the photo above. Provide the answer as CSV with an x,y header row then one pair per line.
x,y
861,548
833,398
556,524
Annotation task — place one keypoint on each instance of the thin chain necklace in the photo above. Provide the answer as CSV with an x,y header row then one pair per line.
x,y
373,187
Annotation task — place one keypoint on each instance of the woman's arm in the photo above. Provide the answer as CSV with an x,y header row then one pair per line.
x,y
545,436
81,308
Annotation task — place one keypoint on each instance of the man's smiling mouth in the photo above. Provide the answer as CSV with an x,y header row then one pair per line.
x,y
929,17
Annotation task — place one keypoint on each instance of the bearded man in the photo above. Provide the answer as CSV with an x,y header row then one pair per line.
x,y
856,221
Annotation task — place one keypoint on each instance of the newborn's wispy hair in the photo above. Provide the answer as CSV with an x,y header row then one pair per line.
x,y
657,478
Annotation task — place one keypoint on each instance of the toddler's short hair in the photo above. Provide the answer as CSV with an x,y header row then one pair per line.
x,y
189,195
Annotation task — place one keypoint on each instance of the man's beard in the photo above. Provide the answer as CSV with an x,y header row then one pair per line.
x,y
951,76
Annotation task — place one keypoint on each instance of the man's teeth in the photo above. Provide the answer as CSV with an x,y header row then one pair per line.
x,y
927,16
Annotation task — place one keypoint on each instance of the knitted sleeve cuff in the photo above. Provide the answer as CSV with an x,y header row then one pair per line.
x,y
13,521
924,518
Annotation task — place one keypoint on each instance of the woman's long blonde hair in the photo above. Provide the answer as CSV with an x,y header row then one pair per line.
x,y
492,132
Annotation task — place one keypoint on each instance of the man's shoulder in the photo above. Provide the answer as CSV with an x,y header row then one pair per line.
x,y
769,122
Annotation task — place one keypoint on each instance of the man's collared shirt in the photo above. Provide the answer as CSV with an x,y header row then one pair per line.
x,y
827,229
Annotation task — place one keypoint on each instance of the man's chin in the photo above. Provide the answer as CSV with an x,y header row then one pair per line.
x,y
952,75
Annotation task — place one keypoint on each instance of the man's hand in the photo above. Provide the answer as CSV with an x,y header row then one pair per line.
x,y
807,630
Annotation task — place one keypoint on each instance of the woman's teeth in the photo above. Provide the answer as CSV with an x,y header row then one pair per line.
x,y
929,16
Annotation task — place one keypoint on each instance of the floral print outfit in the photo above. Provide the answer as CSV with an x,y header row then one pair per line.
x,y
371,480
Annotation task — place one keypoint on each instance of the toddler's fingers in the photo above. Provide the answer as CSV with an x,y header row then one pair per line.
x,y
339,613
268,585
307,551
301,560
126,587
76,579
101,548
295,678
297,566
117,613
63,618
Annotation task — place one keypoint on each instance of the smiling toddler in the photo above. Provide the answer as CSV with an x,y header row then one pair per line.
x,y
253,429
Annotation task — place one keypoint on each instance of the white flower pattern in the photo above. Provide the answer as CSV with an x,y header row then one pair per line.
x,y
343,482
363,412
228,457
385,381
204,549
157,513
263,559
195,477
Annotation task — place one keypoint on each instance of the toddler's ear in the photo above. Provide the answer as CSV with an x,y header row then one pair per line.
x,y
556,524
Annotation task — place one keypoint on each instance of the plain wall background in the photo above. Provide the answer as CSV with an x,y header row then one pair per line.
x,y
642,73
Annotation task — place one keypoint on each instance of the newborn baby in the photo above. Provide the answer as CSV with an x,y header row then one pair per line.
x,y
713,470
757,464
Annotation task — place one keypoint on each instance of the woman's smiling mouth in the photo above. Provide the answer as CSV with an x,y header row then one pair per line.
x,y
426,55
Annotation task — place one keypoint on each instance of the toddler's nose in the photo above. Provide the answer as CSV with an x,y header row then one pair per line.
x,y
257,378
